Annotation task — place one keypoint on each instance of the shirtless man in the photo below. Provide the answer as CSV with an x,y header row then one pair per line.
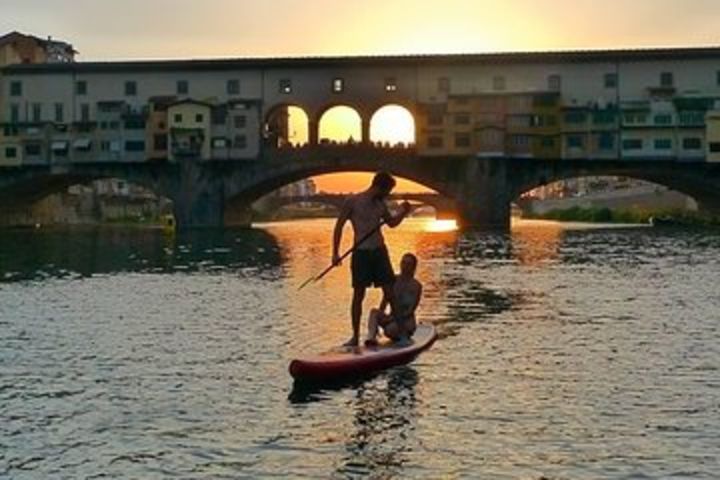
x,y
370,264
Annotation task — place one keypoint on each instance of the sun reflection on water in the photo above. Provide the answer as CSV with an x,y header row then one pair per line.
x,y
439,226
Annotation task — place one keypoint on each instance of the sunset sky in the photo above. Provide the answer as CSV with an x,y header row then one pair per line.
x,y
134,29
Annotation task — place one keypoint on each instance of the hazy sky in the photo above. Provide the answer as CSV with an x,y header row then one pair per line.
x,y
115,29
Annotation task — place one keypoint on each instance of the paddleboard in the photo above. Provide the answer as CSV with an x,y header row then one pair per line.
x,y
348,362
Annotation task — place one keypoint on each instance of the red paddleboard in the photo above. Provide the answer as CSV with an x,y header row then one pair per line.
x,y
349,362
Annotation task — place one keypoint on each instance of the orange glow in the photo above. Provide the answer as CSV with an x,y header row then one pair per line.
x,y
298,126
392,124
357,182
341,124
439,226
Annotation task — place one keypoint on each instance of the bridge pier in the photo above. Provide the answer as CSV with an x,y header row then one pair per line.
x,y
483,196
198,197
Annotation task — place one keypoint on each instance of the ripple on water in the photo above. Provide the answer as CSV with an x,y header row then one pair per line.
x,y
564,353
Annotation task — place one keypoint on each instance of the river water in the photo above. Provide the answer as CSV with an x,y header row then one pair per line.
x,y
566,352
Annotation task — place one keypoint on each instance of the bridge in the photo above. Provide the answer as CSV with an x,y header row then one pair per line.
x,y
444,207
481,188
213,136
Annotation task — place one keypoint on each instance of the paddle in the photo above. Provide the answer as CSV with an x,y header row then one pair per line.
x,y
343,257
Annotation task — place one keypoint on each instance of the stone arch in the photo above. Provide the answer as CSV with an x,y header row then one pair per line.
x,y
278,126
397,115
31,196
672,175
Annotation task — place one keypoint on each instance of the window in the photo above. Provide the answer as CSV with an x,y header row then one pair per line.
x,y
199,118
338,85
178,118
81,87
692,118
606,141
555,83
240,121
10,152
14,113
113,125
462,119
37,112
233,87
130,89
499,83
435,119
520,140
632,144
159,142
667,79
183,87
435,142
603,118
663,119
575,117
692,143
663,144
444,85
285,85
85,112
462,140
390,84
547,142
16,89
240,141
33,149
715,147
610,80
59,113
135,146
219,142
575,141
717,77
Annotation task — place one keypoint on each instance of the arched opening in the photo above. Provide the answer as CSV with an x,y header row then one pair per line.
x,y
604,199
323,196
340,125
113,201
392,126
287,126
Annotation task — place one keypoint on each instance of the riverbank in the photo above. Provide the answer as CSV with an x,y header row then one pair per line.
x,y
626,215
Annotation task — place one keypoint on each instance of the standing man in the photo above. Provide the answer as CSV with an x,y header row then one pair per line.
x,y
370,264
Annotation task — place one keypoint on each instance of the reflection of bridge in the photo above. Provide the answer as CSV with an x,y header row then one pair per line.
x,y
444,207
482,188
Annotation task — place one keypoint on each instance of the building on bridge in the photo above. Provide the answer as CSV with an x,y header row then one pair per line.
x,y
556,111
562,105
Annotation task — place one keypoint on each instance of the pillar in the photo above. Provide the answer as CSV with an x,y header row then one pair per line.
x,y
365,130
483,195
199,196
313,132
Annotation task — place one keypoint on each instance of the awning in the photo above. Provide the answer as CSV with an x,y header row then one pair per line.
x,y
59,146
82,144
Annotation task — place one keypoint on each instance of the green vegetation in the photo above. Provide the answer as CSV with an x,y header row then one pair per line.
x,y
630,215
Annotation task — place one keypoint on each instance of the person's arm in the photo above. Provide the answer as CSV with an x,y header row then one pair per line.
x,y
344,216
393,221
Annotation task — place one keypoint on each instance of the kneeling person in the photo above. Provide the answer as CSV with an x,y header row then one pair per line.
x,y
400,324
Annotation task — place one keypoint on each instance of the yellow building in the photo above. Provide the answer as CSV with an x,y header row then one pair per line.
x,y
157,129
713,135
546,141
189,130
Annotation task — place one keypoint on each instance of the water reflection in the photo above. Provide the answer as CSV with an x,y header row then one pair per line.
x,y
39,255
385,414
